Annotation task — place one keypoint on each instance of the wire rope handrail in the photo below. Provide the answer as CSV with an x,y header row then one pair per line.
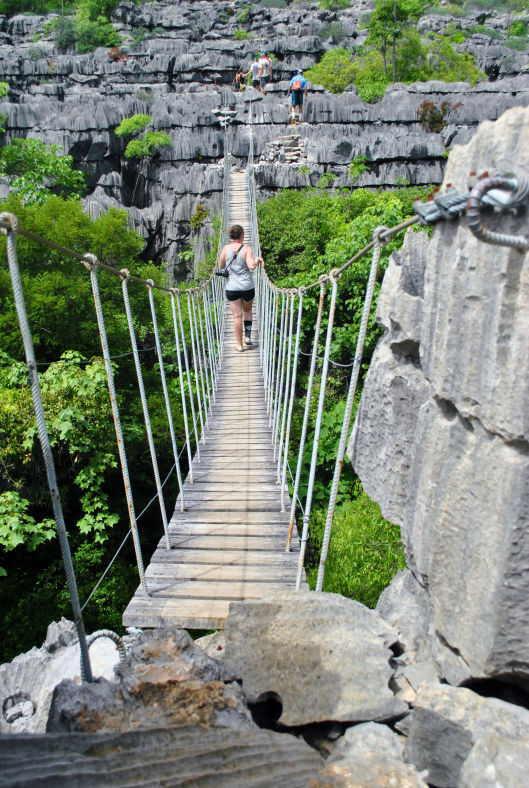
x,y
505,191
279,354
204,333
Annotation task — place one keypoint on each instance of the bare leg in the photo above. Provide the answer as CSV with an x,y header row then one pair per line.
x,y
236,310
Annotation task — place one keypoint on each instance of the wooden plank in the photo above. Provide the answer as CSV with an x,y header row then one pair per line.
x,y
212,516
220,529
214,572
229,542
225,589
182,556
187,613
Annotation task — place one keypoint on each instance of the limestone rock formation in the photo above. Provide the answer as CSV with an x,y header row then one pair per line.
x,y
368,771
178,62
320,657
447,722
441,434
172,756
165,681
27,683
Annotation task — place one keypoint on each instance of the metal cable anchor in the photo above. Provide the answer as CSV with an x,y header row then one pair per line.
x,y
495,191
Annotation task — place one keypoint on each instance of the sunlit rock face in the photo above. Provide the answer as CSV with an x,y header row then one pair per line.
x,y
177,63
441,438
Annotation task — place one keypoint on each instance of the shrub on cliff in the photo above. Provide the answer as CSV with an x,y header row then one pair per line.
x,y
334,71
35,170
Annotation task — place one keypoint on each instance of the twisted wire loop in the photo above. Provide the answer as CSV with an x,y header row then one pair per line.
x,y
317,428
377,242
90,262
476,200
308,398
108,633
146,417
9,226
168,409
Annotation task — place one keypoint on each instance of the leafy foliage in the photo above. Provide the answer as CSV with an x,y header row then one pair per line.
x,y
18,527
133,126
147,145
333,5
74,390
365,551
35,170
304,234
199,217
334,71
242,35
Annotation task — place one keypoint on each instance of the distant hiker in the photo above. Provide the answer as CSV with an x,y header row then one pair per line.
x,y
239,261
297,90
240,79
254,68
265,71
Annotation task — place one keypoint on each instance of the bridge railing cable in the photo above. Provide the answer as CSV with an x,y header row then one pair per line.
x,y
280,346
202,332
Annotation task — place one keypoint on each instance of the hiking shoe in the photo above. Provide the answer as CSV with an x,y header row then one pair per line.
x,y
239,348
248,341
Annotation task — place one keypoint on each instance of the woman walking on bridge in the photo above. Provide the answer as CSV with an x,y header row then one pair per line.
x,y
237,258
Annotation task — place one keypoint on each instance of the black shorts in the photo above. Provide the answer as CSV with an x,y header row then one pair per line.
x,y
246,295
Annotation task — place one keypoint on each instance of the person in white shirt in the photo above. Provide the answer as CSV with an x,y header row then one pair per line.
x,y
265,71
254,68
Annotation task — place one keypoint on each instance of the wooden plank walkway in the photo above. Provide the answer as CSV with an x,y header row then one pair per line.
x,y
229,543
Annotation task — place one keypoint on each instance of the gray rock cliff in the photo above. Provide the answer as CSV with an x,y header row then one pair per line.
x,y
179,63
440,439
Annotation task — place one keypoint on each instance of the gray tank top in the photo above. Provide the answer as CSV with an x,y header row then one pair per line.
x,y
239,275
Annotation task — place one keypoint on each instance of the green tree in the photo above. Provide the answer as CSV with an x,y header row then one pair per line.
x,y
144,146
35,170
334,71
387,23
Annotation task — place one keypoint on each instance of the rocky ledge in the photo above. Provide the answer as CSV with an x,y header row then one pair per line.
x,y
178,64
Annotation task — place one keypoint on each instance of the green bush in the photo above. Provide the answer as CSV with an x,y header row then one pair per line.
x,y
334,71
35,170
64,33
90,35
12,7
133,126
334,30
368,75
333,5
242,35
365,551
199,217
520,43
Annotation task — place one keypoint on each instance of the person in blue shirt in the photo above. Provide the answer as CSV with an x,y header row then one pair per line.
x,y
297,90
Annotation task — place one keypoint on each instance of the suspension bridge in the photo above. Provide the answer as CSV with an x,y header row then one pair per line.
x,y
233,533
